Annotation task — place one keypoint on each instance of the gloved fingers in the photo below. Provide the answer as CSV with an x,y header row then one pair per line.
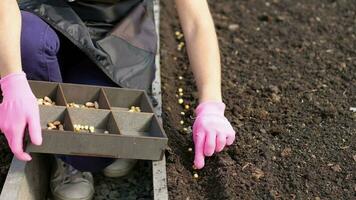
x,y
220,142
34,128
230,139
210,143
199,140
16,145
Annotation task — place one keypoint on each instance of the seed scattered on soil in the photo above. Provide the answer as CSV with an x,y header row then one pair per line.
x,y
182,113
233,27
135,109
55,125
180,77
180,89
196,175
46,101
286,152
180,46
181,122
336,168
186,107
180,101
179,35
258,173
181,94
190,149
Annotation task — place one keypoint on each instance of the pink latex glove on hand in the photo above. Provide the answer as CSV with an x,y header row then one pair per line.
x,y
19,108
211,131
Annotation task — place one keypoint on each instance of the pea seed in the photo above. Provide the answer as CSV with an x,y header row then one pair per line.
x,y
186,107
181,122
182,113
180,90
180,101
190,149
96,105
47,99
89,104
106,132
91,129
47,103
196,175
180,77
40,101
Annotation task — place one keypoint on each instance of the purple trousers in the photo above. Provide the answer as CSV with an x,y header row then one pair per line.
x,y
49,56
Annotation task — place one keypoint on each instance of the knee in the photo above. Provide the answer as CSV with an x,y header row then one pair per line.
x,y
37,37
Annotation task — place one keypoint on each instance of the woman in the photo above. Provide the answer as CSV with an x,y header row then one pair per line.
x,y
100,42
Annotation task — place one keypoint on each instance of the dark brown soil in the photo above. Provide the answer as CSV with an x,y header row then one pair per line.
x,y
5,159
289,80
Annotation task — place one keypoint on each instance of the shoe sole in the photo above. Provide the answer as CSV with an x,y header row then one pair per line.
x,y
116,174
90,197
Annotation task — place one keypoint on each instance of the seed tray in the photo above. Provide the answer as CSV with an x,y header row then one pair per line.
x,y
135,135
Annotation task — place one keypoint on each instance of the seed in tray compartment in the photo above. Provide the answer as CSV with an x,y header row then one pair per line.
x,y
91,129
73,105
96,105
89,104
45,101
83,128
40,101
106,132
135,109
56,125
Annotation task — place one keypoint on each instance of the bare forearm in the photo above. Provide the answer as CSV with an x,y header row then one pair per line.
x,y
202,48
10,30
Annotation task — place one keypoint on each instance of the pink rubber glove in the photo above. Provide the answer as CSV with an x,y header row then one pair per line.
x,y
211,131
19,108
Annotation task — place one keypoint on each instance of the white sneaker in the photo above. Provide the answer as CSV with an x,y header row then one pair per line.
x,y
68,183
119,168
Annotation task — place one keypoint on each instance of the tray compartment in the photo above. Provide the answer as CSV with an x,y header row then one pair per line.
x,y
50,114
80,94
121,99
102,120
50,89
138,124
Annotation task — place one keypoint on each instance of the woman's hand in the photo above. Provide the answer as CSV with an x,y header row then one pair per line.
x,y
18,109
211,131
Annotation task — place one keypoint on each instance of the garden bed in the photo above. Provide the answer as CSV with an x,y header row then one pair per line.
x,y
289,80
